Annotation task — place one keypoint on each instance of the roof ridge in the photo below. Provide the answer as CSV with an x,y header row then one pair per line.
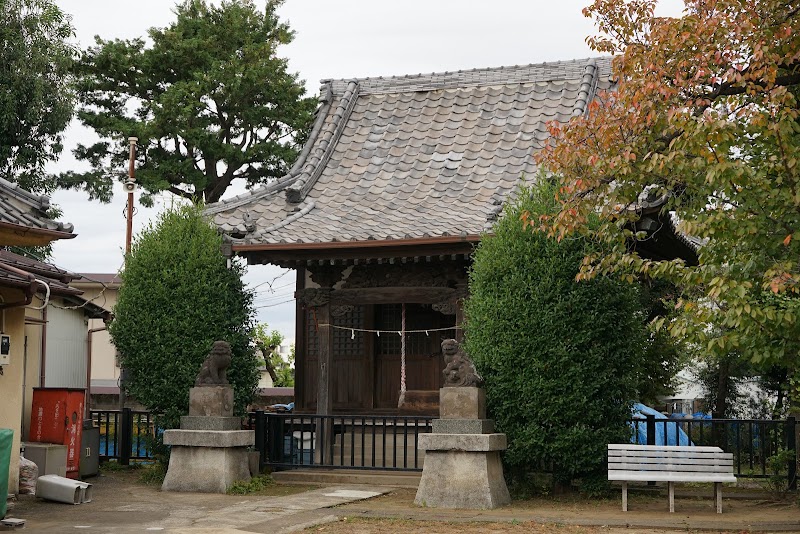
x,y
293,174
312,170
587,89
532,72
40,202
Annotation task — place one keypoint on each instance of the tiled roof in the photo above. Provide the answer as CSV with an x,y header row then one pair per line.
x,y
102,279
17,271
414,157
22,208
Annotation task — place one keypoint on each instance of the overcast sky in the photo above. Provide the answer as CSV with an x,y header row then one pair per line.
x,y
334,39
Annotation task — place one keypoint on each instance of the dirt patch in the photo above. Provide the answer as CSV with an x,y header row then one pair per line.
x,y
372,526
647,511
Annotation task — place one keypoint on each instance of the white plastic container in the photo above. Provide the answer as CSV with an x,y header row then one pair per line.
x,y
61,489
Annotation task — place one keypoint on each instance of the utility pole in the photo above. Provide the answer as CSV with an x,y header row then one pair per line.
x,y
130,187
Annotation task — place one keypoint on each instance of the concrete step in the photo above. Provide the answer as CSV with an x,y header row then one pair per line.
x,y
399,479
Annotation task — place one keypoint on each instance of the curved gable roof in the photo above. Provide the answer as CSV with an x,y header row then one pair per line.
x,y
421,157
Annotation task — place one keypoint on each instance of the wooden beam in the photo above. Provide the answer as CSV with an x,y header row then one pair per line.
x,y
392,295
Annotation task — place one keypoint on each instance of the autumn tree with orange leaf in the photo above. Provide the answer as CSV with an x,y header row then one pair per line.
x,y
705,118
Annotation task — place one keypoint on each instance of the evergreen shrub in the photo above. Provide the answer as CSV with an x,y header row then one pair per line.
x,y
177,297
559,357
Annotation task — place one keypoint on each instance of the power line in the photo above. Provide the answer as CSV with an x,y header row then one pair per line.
x,y
270,282
273,305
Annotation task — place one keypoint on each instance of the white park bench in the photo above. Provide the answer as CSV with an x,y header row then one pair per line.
x,y
672,463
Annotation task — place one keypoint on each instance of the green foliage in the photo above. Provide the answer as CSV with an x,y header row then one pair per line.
x,y
778,472
254,485
36,98
560,358
208,98
281,371
153,475
177,298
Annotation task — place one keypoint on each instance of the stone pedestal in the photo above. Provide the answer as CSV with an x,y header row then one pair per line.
x,y
209,452
462,466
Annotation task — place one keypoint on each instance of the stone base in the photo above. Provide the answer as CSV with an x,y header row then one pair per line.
x,y
208,401
461,426
462,403
207,461
463,442
201,422
462,479
206,469
210,438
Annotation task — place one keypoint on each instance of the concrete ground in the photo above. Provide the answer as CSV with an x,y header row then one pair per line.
x,y
121,505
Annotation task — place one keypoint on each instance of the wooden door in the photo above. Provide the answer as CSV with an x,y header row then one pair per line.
x,y
350,372
424,362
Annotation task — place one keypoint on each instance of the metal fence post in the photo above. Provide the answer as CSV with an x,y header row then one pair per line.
x,y
260,439
651,429
126,436
651,435
791,444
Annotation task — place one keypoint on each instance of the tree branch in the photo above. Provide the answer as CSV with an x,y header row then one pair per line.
x,y
180,192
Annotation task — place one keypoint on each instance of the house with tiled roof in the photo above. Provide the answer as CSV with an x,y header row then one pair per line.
x,y
38,309
379,215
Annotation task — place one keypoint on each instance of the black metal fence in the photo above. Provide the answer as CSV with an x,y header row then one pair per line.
x,y
288,440
752,441
340,441
124,434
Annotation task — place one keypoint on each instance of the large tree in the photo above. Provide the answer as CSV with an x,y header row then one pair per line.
x,y
208,97
36,98
178,296
705,120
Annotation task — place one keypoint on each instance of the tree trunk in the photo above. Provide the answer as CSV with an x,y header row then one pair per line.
x,y
721,406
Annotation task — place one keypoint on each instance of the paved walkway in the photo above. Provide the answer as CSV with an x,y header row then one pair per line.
x,y
123,506
119,506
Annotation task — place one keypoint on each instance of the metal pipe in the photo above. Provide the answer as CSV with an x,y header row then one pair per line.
x,y
42,368
87,408
131,178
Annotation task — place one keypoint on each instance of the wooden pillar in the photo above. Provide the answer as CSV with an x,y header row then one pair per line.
x,y
324,436
320,298
324,379
461,296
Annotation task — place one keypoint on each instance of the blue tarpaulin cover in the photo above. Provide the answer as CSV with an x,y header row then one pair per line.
x,y
673,434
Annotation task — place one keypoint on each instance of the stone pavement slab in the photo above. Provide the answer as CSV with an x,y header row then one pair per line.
x,y
135,508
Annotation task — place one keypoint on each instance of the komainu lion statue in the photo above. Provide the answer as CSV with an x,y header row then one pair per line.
x,y
212,373
459,371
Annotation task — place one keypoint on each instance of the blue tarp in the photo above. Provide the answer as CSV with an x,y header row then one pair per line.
x,y
666,433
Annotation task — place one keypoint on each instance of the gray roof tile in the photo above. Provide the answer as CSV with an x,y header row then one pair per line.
x,y
22,208
414,156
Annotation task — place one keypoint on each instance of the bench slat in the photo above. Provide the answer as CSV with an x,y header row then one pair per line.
x,y
634,447
667,454
671,467
669,476
679,461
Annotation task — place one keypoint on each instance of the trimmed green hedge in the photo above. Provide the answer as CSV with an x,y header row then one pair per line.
x,y
559,357
176,299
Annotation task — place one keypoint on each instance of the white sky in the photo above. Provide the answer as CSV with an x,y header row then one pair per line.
x,y
334,39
